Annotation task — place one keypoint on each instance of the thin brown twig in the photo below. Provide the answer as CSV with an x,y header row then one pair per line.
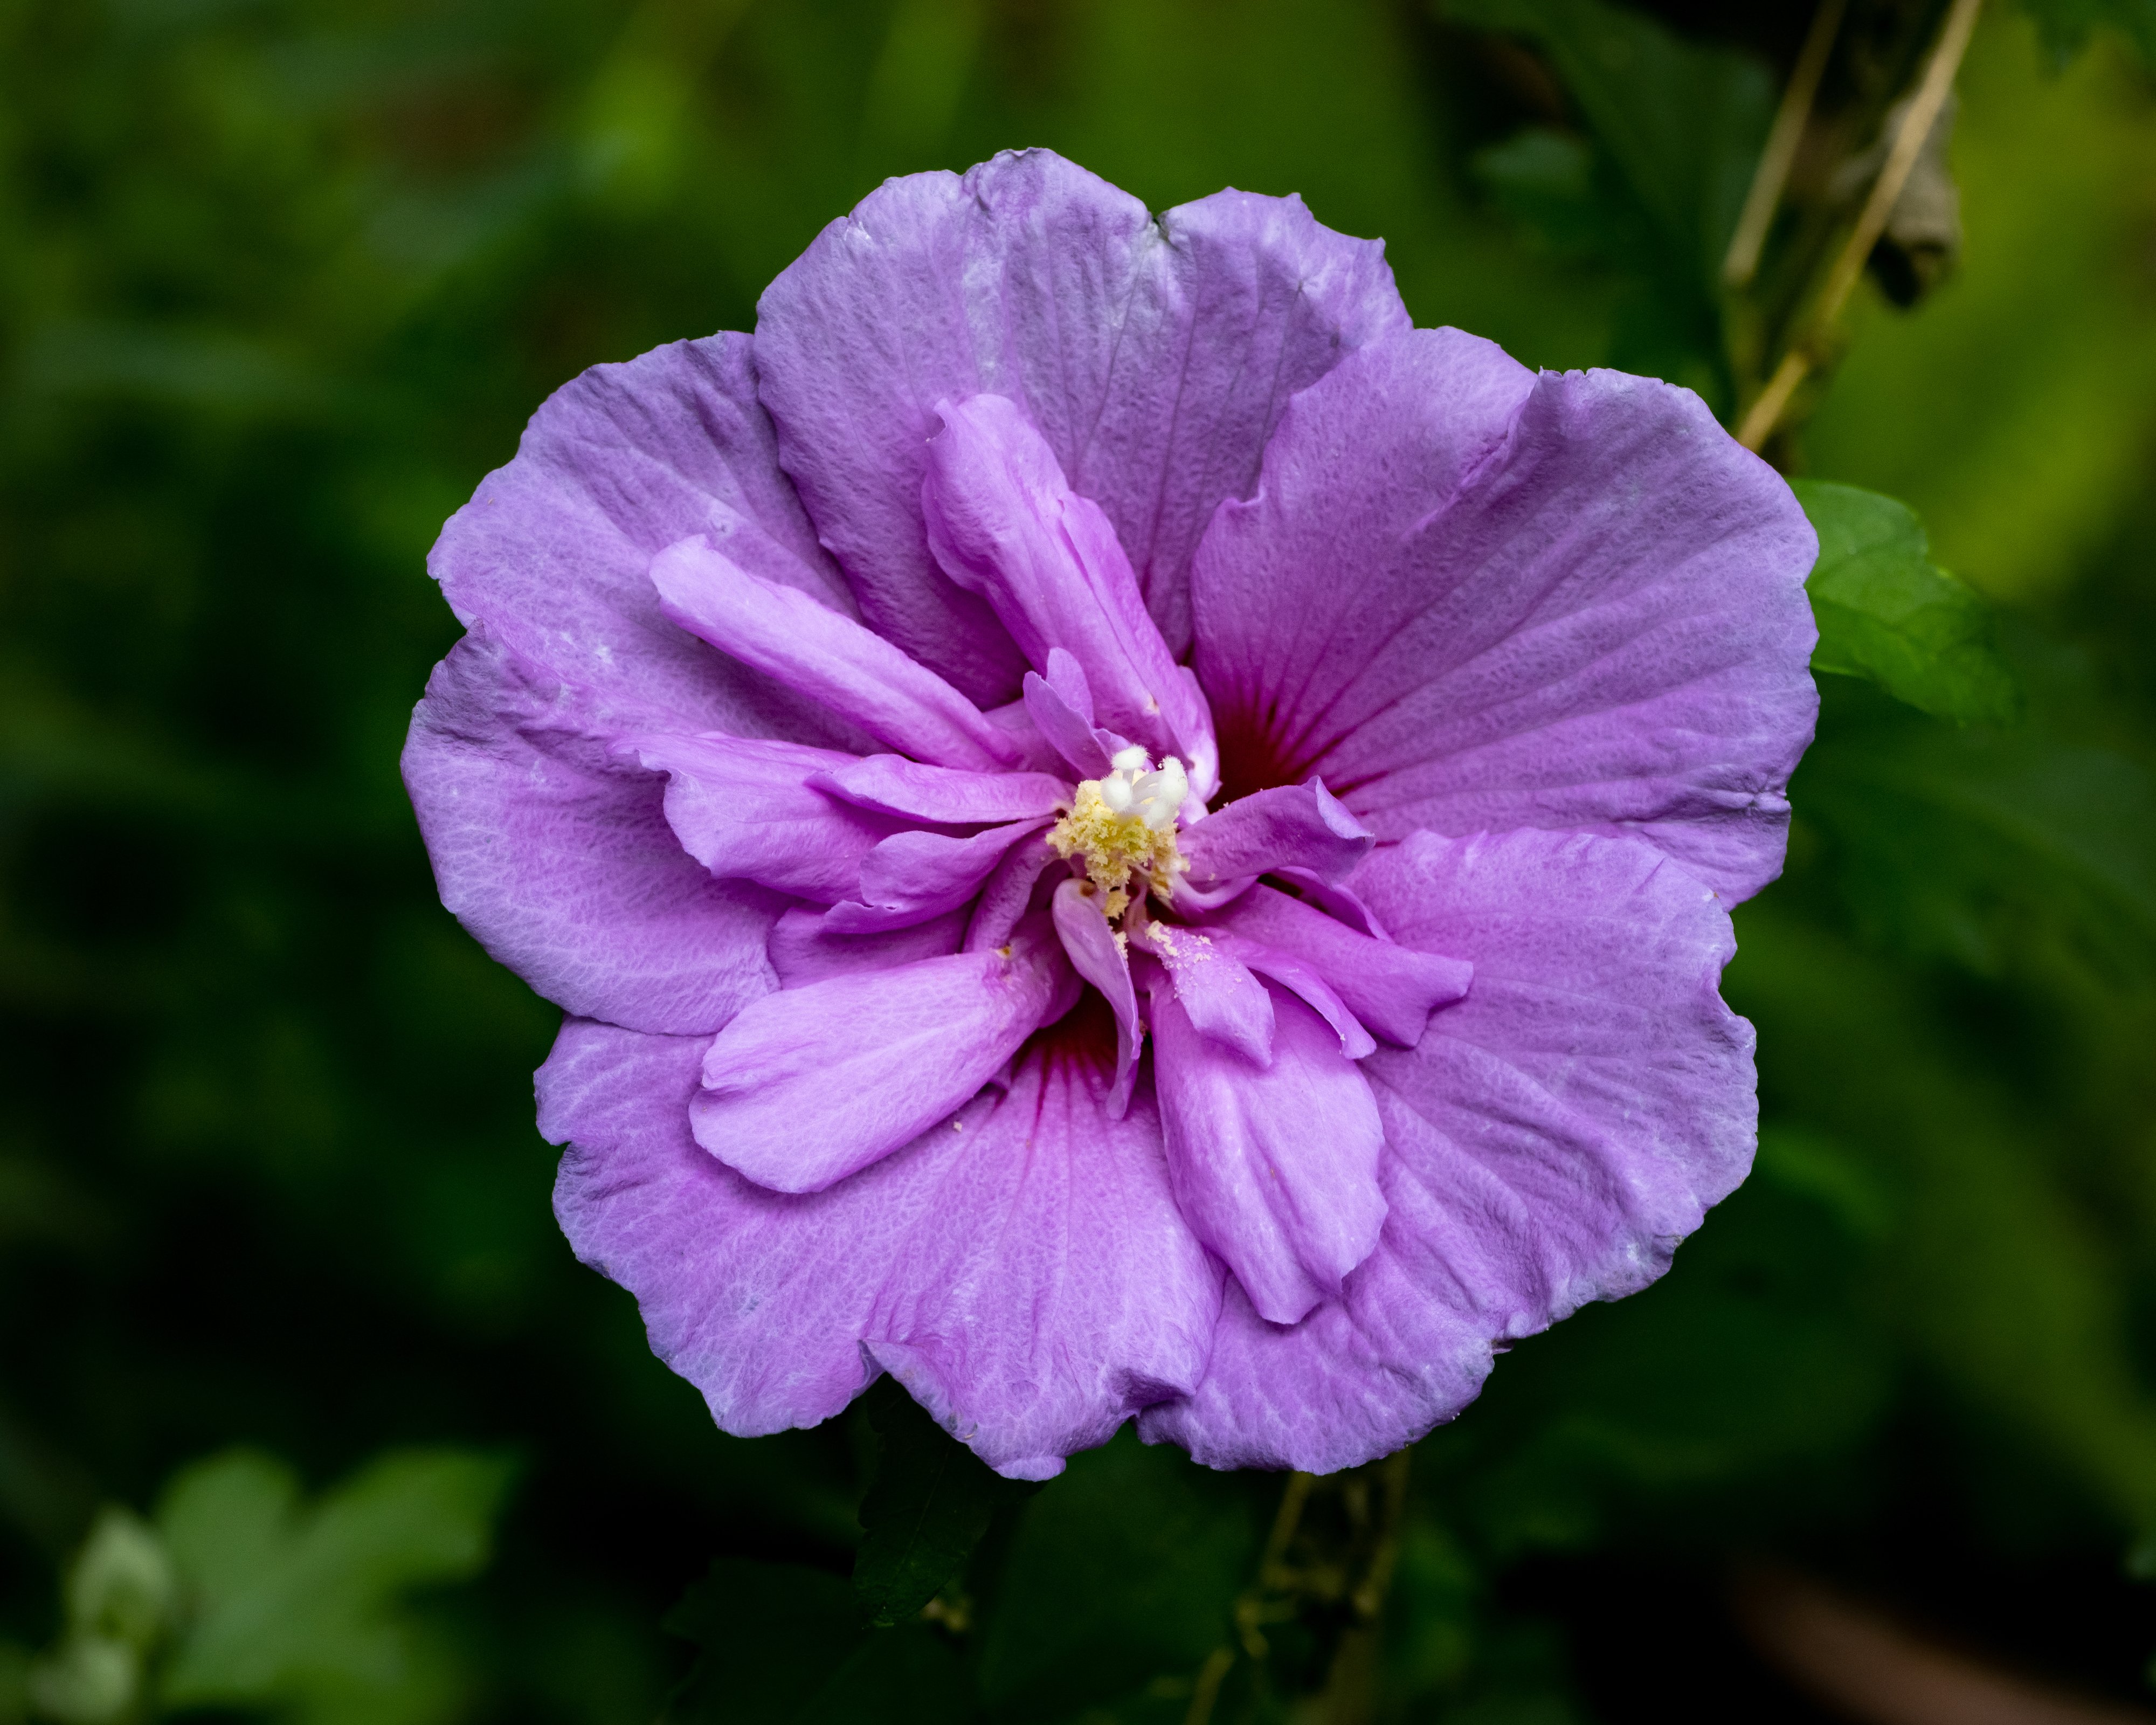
x,y
1773,173
1937,83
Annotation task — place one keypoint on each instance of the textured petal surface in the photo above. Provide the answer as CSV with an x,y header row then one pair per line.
x,y
1028,1275
804,949
556,853
912,877
824,656
744,807
1392,988
1304,982
808,1085
1097,956
552,552
1007,894
1067,727
1474,598
1216,990
1003,523
941,795
1275,1170
1301,826
1549,1141
1154,357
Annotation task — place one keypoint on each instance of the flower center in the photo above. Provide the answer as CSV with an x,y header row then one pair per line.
x,y
1124,826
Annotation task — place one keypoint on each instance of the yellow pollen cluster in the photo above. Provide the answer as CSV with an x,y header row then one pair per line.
x,y
1123,828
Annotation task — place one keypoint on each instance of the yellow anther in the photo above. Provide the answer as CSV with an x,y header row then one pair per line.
x,y
1122,828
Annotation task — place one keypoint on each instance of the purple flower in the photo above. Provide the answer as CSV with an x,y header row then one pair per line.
x,y
1120,830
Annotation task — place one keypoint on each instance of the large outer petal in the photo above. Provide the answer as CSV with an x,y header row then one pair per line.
x,y
1155,357
1474,599
1548,1142
551,853
554,849
552,552
1027,1276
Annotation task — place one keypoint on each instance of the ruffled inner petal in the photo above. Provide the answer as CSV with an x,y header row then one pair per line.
x,y
1275,1170
1098,957
1391,987
808,647
1003,523
1303,981
810,1084
1299,826
914,875
943,796
1216,989
804,949
1067,725
1007,894
744,807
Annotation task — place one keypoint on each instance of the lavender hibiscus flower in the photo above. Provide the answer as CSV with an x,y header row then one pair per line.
x,y
1120,831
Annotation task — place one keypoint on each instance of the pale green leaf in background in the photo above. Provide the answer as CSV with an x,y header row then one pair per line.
x,y
302,1606
1886,612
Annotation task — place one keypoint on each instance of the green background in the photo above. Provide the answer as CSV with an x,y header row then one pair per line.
x,y
279,279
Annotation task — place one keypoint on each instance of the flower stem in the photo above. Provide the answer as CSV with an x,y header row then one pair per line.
x,y
1765,413
1742,262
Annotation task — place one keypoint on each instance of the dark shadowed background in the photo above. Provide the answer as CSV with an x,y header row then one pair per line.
x,y
279,279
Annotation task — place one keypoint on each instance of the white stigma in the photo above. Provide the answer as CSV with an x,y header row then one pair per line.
x,y
1137,788
1120,829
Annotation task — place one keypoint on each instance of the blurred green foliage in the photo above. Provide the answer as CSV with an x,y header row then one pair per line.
x,y
281,278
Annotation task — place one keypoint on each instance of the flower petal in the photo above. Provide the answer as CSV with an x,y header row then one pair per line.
x,y
556,853
944,795
552,552
1301,826
745,808
1275,1170
1007,894
1392,988
804,949
1298,979
1069,732
1155,357
1003,523
804,643
1097,955
1027,1277
1474,599
808,1085
914,875
1547,1142
1217,991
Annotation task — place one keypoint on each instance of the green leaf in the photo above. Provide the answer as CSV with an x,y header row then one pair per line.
x,y
1684,121
302,1607
925,1511
782,1642
1886,612
1124,1569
